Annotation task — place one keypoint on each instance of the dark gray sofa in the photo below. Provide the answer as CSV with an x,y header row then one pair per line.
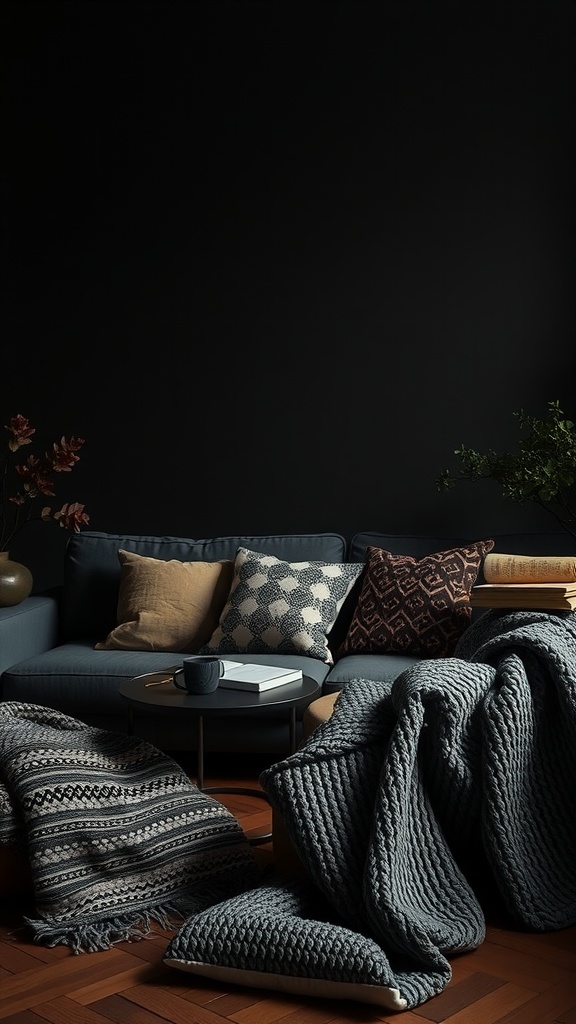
x,y
47,643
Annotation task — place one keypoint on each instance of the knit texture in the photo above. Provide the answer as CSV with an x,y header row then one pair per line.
x,y
116,834
409,803
285,931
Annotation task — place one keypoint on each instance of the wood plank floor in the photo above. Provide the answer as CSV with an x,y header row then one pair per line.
x,y
513,978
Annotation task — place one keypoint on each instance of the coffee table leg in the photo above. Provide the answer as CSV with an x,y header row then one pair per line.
x,y
293,730
253,840
200,752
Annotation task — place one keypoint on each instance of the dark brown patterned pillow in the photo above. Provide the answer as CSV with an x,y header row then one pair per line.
x,y
414,606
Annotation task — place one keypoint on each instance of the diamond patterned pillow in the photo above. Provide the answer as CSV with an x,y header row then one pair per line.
x,y
282,607
414,606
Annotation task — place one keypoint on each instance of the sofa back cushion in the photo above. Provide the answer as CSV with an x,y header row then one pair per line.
x,y
92,567
535,543
417,545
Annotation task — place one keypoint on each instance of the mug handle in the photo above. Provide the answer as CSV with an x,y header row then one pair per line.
x,y
180,686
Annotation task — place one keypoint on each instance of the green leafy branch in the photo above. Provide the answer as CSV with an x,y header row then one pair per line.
x,y
543,469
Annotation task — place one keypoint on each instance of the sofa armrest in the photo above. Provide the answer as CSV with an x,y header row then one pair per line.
x,y
28,628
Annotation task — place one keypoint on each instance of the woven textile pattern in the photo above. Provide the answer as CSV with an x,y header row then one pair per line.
x,y
412,796
284,607
116,833
415,606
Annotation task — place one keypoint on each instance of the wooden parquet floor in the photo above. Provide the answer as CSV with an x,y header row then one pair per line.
x,y
513,978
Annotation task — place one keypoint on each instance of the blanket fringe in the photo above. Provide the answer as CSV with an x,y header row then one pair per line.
x,y
99,935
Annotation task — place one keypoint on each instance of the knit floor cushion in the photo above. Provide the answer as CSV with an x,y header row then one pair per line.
x,y
273,938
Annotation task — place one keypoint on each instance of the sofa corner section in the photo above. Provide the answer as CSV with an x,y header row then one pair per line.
x,y
29,628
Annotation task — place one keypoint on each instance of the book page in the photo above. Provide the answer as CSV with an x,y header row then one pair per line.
x,y
229,666
542,602
505,568
260,673
524,588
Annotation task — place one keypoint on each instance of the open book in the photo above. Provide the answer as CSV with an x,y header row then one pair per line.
x,y
255,678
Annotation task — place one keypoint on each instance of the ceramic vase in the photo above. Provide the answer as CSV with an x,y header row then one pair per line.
x,y
15,581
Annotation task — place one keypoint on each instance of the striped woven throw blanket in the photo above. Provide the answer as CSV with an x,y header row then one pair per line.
x,y
116,834
416,805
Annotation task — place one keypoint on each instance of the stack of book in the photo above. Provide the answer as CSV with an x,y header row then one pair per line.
x,y
526,581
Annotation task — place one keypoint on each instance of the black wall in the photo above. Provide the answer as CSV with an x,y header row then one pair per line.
x,y
275,260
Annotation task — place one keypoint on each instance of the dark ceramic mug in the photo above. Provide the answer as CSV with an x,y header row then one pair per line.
x,y
200,675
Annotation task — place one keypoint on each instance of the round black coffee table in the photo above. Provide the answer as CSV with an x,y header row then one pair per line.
x,y
156,691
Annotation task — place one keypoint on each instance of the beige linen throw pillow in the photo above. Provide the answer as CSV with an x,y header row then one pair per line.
x,y
167,605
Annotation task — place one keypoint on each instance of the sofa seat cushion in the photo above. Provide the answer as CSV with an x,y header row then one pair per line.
x,y
79,679
378,667
279,606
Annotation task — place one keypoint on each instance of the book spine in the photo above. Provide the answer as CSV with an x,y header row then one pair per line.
x,y
250,687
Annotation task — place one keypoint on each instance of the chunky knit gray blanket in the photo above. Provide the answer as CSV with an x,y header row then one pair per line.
x,y
411,804
116,834
403,783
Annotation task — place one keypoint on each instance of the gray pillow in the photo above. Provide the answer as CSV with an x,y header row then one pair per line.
x,y
272,937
